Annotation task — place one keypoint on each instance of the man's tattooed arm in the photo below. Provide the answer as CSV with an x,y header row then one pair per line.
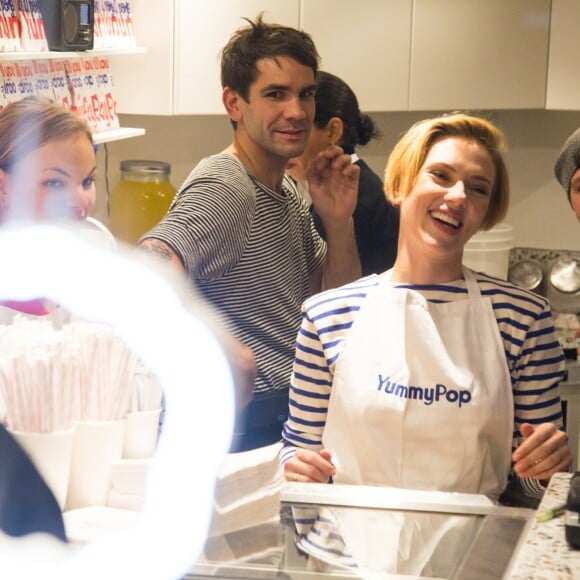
x,y
162,251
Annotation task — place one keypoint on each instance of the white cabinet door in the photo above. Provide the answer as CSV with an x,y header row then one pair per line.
x,y
144,84
479,54
365,43
179,75
563,90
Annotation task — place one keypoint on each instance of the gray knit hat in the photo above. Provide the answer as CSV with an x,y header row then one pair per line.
x,y
568,161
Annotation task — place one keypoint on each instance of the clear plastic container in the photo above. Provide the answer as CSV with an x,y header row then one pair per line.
x,y
140,199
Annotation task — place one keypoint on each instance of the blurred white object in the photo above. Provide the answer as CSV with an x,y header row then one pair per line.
x,y
51,454
141,430
94,522
97,233
179,493
130,475
148,392
247,490
96,445
128,479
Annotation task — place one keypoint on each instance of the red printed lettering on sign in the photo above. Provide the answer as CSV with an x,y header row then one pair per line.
x,y
33,26
14,27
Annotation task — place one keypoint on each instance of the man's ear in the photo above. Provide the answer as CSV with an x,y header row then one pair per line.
x,y
232,100
335,129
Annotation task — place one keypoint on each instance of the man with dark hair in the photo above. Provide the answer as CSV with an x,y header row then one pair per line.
x,y
241,232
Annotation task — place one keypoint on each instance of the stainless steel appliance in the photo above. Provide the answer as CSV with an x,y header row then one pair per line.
x,y
554,274
528,273
563,286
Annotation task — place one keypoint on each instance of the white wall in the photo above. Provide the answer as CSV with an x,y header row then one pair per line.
x,y
539,210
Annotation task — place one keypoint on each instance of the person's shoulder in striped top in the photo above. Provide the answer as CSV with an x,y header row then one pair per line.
x,y
211,216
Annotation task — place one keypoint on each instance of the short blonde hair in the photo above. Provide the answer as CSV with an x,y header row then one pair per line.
x,y
409,154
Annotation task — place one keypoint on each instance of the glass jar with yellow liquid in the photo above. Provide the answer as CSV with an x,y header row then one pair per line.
x,y
141,199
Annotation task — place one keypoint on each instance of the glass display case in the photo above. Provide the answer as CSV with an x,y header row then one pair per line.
x,y
334,531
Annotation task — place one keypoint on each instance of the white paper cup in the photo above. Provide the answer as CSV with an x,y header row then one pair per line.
x,y
129,476
51,454
141,434
97,444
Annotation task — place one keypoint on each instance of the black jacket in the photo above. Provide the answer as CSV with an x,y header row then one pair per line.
x,y
26,503
376,223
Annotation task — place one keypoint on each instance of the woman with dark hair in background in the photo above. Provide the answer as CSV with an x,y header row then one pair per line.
x,y
339,121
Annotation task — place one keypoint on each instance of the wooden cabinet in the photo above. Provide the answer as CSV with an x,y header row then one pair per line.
x,y
469,54
367,44
181,75
563,91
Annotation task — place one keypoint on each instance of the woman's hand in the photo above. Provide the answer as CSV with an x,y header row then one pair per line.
x,y
309,466
543,452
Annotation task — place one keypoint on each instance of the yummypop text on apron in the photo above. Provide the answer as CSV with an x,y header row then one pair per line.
x,y
428,395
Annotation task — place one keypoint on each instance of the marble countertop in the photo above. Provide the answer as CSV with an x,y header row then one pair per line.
x,y
545,554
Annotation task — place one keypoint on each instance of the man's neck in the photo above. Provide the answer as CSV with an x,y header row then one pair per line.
x,y
267,169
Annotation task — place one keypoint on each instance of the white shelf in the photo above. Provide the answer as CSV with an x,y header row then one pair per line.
x,y
117,134
54,54
98,136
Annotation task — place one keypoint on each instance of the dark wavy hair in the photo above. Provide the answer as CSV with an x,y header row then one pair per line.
x,y
334,98
259,40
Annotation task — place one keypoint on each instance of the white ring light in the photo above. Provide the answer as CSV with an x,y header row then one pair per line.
x,y
182,349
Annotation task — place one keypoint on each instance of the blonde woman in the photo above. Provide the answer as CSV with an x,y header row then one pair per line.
x,y
431,376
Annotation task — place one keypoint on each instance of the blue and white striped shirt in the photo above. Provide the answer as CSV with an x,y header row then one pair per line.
x,y
534,356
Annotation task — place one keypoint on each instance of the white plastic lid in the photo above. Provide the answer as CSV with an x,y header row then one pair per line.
x,y
500,232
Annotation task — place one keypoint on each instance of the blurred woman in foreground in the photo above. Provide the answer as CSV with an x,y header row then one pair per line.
x,y
47,162
47,172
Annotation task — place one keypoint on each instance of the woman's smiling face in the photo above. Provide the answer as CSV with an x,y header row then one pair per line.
x,y
450,197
